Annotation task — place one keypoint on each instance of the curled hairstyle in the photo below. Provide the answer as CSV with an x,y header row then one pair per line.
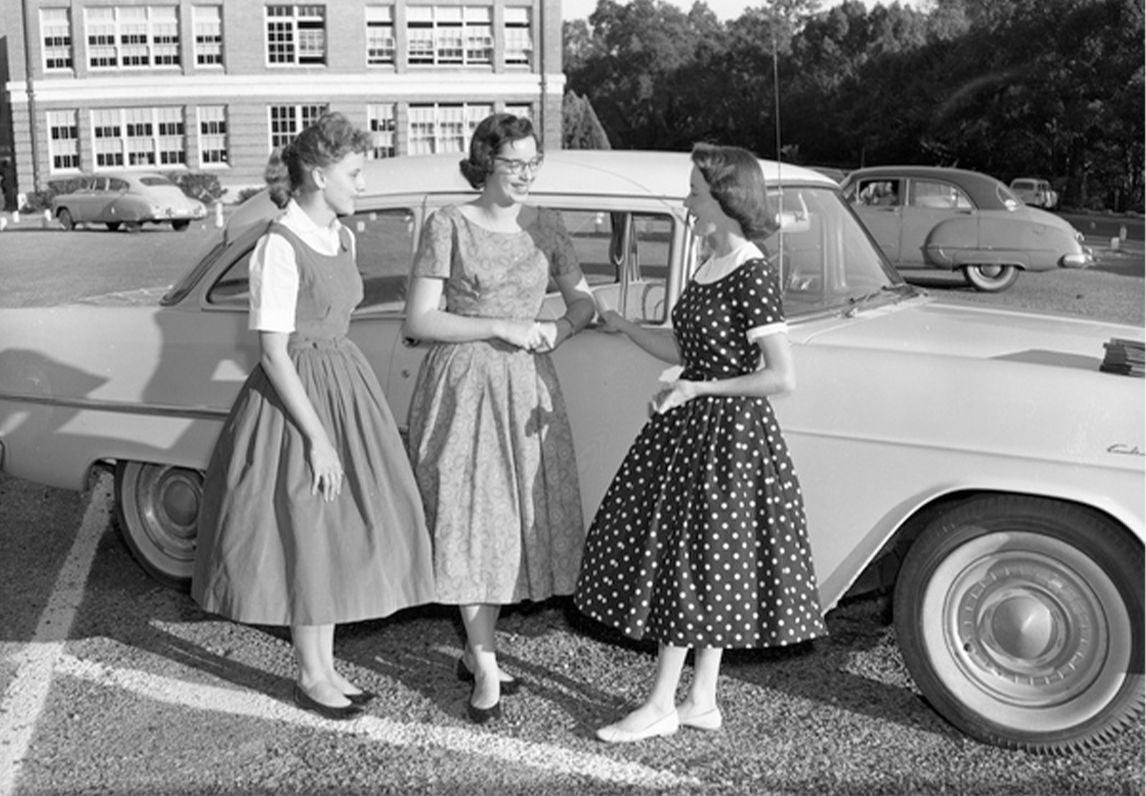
x,y
491,134
737,184
331,138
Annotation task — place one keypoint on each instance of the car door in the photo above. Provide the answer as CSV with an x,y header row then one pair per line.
x,y
931,202
878,202
86,203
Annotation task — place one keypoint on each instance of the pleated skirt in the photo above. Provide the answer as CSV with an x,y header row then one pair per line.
x,y
271,552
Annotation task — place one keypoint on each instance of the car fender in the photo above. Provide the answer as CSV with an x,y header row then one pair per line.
x,y
128,208
953,242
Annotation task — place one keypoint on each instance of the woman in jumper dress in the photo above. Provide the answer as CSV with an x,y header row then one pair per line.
x,y
311,514
700,541
490,441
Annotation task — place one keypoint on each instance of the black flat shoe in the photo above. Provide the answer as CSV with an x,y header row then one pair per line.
x,y
362,698
306,702
508,687
482,715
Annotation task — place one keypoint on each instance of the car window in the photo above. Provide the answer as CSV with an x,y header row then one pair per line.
x,y
155,180
117,185
825,257
384,248
881,192
934,195
625,257
1023,185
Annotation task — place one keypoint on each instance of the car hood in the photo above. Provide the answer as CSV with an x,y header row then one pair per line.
x,y
939,328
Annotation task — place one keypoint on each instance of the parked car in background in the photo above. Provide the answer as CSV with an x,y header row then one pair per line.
x,y
129,199
975,459
952,219
1035,192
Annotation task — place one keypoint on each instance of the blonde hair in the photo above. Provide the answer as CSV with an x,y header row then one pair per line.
x,y
331,138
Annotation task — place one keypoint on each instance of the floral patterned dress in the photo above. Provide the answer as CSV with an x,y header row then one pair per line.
x,y
489,437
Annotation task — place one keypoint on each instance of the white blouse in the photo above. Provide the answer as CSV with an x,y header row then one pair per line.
x,y
274,272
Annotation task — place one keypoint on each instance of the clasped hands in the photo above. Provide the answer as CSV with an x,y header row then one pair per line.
x,y
530,335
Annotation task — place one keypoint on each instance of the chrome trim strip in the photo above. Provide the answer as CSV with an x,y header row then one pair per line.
x,y
88,404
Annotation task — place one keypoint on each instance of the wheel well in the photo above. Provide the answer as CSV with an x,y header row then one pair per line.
x,y
881,574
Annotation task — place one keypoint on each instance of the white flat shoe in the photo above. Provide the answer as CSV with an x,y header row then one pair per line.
x,y
709,721
665,725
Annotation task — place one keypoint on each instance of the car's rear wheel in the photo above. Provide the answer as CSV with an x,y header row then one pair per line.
x,y
1020,620
991,278
64,217
158,508
113,225
179,226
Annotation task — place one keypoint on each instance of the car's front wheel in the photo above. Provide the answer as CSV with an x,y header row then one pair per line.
x,y
991,278
158,507
64,217
1020,619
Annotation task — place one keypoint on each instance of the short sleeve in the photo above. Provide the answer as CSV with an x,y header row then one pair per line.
x,y
562,255
759,298
273,285
435,249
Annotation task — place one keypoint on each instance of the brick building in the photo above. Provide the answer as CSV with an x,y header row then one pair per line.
x,y
213,85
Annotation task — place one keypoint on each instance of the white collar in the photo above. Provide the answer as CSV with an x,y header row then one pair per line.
x,y
716,268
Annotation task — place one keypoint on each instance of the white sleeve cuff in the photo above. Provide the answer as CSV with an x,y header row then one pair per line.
x,y
758,332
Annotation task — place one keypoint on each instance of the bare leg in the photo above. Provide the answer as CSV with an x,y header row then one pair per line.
x,y
701,699
662,698
314,651
480,622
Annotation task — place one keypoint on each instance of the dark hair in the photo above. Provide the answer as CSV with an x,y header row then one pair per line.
x,y
737,184
331,138
492,133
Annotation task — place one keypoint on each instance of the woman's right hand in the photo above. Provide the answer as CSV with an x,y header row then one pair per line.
x,y
326,470
523,334
612,322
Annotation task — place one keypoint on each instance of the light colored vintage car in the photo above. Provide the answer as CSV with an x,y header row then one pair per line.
x,y
976,459
1035,192
953,219
129,199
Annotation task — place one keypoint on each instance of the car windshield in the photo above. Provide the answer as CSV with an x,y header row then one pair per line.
x,y
827,260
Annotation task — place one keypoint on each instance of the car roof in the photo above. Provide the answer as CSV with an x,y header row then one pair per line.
x,y
982,188
572,172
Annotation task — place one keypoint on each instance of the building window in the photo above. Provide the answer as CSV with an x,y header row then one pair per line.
x,y
212,135
380,122
444,128
296,35
132,36
523,111
138,137
379,35
287,121
63,140
518,37
208,35
449,35
56,28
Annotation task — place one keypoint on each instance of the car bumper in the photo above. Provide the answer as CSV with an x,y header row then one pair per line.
x,y
1083,259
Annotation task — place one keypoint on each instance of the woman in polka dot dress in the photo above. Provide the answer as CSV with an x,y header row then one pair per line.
x,y
700,541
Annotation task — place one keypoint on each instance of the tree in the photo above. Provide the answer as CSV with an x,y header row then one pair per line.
x,y
580,127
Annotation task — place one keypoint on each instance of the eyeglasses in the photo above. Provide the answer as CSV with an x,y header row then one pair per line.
x,y
519,166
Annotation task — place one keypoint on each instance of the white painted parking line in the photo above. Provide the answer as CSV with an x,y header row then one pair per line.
x,y
542,756
24,699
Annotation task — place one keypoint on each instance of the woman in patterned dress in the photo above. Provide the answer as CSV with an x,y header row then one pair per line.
x,y
490,441
311,514
700,542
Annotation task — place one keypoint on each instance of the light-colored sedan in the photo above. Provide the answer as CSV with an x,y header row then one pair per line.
x,y
1035,192
977,460
129,199
953,219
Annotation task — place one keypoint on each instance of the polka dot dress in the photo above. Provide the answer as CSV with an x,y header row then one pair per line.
x,y
701,538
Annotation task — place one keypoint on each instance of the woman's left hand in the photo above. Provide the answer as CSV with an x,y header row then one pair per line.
x,y
676,394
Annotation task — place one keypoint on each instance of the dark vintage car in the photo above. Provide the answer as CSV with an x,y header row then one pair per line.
x,y
953,219
129,199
